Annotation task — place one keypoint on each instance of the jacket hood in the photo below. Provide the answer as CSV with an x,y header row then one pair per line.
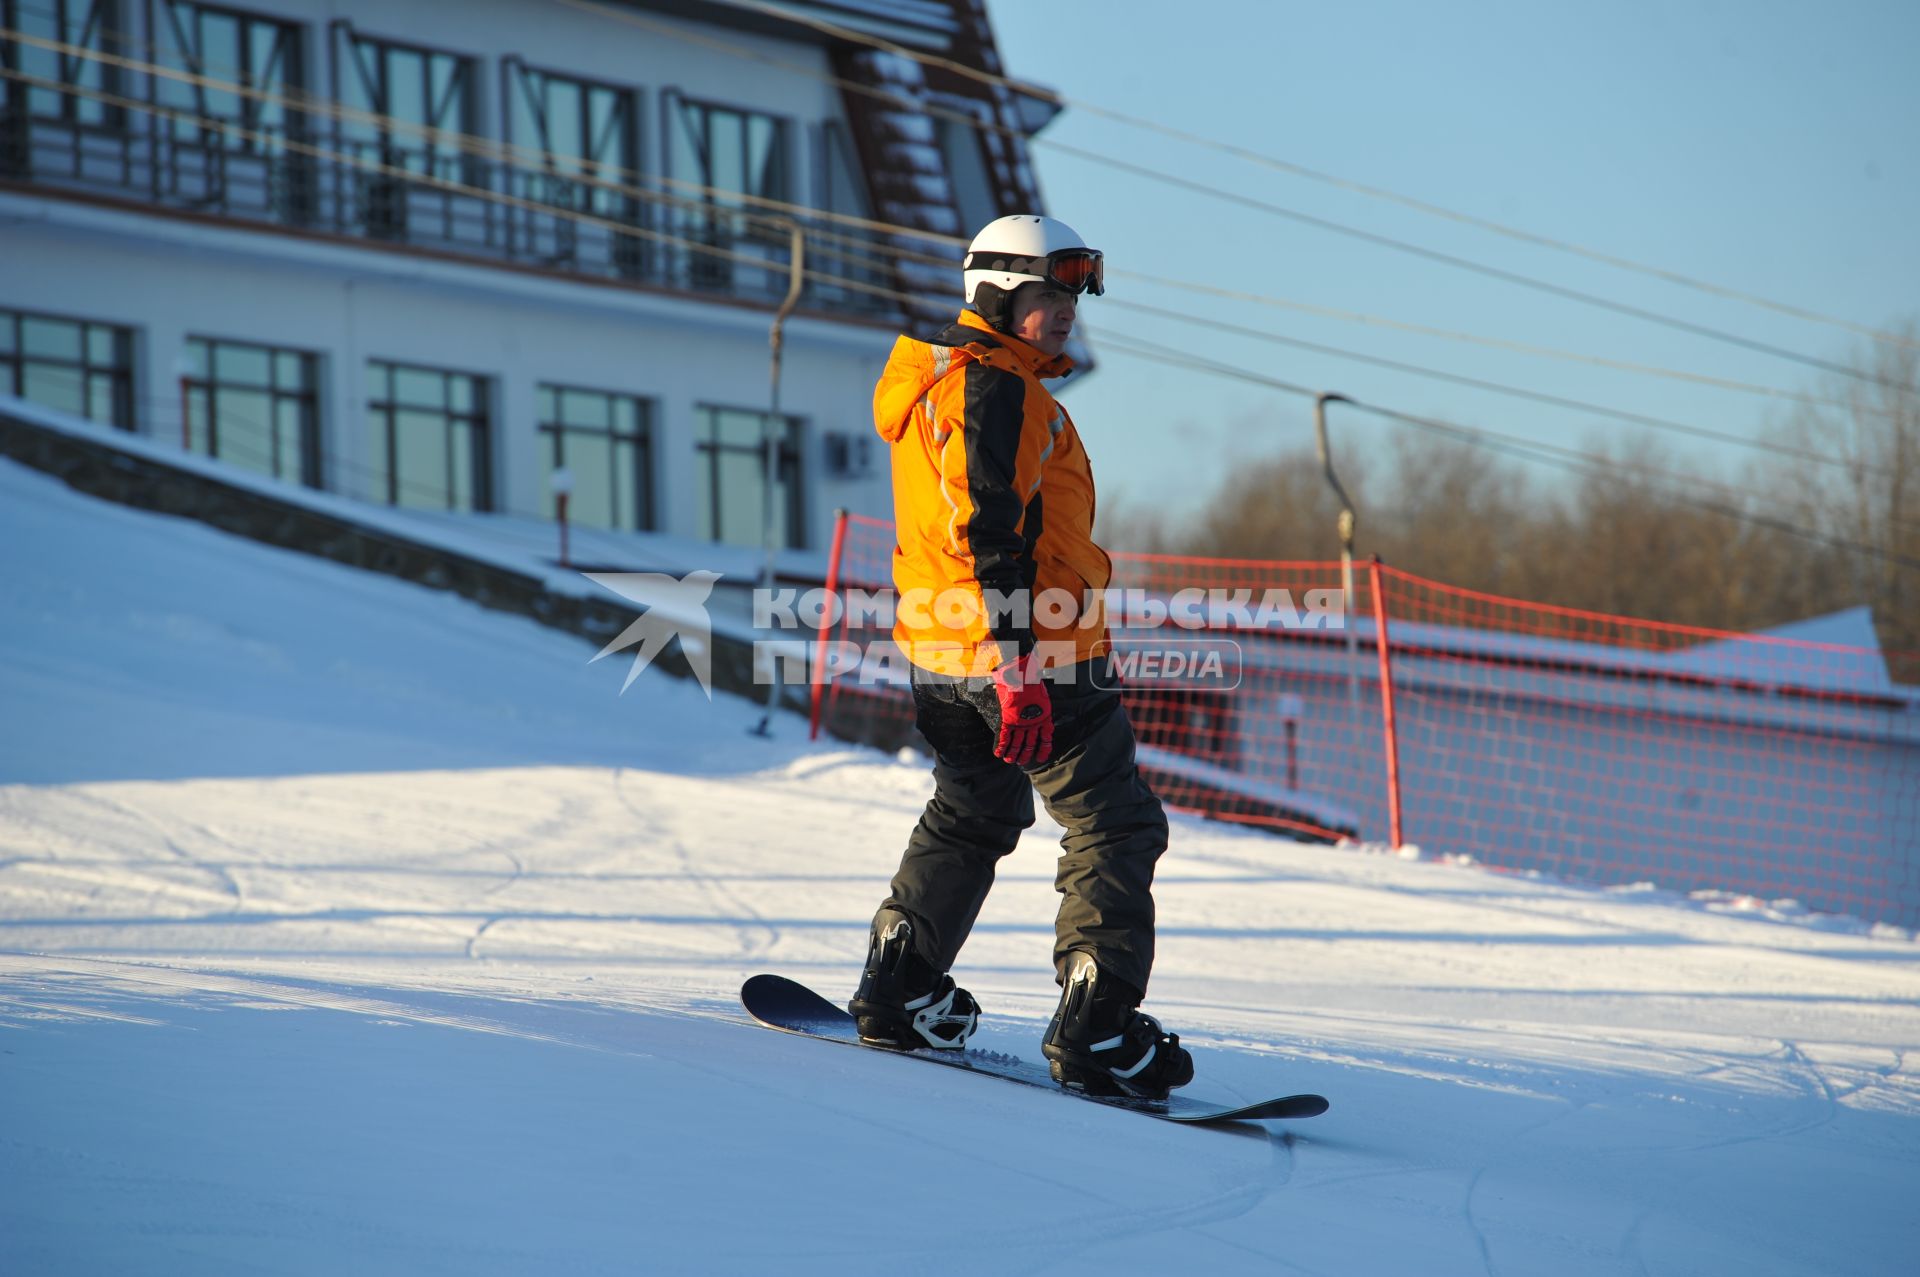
x,y
915,365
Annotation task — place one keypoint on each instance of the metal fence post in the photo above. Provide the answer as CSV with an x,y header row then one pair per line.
x,y
821,669
1389,729
773,441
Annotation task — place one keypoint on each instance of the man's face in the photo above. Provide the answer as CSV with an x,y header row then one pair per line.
x,y
1043,316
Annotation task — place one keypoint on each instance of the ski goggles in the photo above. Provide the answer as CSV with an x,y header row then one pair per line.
x,y
1078,270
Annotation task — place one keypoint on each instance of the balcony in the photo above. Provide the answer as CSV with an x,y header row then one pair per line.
x,y
434,196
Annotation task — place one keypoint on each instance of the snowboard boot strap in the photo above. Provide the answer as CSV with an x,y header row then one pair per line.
x,y
1101,1043
902,1001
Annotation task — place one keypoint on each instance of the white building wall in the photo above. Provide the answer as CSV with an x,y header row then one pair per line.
x,y
171,280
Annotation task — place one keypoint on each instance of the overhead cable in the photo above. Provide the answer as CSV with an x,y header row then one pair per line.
x,y
1279,164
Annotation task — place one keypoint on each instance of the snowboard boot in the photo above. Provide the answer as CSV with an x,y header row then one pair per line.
x,y
1101,1043
902,1001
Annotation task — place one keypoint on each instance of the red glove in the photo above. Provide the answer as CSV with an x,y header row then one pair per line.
x,y
1026,713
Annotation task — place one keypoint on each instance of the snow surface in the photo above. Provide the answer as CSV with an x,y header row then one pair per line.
x,y
346,927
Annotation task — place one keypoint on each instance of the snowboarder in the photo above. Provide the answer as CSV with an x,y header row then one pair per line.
x,y
998,585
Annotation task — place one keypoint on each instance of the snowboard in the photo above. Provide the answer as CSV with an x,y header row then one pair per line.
x,y
780,1003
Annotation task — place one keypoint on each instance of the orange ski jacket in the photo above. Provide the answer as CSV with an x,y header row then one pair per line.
x,y
993,505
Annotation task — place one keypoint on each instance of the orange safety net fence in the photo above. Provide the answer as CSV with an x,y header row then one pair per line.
x,y
1525,736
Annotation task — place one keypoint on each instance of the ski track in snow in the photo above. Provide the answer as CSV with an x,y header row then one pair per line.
x,y
515,852
748,922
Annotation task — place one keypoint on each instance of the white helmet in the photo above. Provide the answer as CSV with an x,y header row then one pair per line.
x,y
1027,249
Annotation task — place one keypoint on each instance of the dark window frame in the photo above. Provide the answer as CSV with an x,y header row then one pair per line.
x,y
711,223
120,373
790,467
563,171
837,159
975,207
383,411
401,145
289,56
306,399
784,134
398,137
350,40
102,28
646,514
840,186
631,97
245,152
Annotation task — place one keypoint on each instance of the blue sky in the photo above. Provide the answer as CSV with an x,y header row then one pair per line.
x,y
1768,147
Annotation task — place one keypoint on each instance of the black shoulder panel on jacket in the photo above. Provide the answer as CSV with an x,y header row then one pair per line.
x,y
965,335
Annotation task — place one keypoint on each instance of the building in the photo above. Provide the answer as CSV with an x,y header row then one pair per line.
x,y
425,253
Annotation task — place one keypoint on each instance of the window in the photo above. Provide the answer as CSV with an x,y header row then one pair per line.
x,y
973,187
732,482
90,26
262,58
420,93
256,407
74,366
424,102
216,44
717,153
430,447
743,152
606,441
583,129
588,136
841,187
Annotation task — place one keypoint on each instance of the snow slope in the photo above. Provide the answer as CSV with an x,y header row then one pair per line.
x,y
346,927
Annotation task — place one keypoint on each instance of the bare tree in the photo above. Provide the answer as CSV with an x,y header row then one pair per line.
x,y
1872,500
1634,537
1278,507
1133,526
1453,512
1637,535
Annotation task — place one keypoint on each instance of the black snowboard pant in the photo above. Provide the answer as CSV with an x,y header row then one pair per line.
x,y
1115,827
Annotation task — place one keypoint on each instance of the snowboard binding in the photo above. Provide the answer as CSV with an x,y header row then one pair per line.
x,y
1101,1043
902,1002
